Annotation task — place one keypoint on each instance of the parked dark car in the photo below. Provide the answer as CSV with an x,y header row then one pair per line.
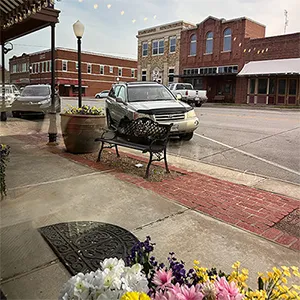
x,y
35,99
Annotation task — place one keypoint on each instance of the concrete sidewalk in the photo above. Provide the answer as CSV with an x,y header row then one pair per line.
x,y
46,188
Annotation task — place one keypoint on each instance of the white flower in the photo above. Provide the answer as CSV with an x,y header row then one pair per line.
x,y
112,264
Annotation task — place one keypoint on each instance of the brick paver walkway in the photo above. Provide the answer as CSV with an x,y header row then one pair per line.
x,y
248,208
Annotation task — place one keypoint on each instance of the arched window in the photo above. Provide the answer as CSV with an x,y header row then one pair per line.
x,y
193,45
209,42
227,40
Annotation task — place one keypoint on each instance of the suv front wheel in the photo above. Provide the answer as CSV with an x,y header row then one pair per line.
x,y
187,136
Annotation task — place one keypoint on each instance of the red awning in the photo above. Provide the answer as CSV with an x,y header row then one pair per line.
x,y
70,82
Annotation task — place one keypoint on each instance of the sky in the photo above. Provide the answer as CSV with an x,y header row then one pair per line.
x,y
111,25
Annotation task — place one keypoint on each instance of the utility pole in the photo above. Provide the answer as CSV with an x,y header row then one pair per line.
x,y
286,21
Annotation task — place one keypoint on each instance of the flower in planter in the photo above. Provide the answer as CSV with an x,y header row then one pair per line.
x,y
4,153
84,110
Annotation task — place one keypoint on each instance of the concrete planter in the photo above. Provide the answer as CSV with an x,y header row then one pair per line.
x,y
80,131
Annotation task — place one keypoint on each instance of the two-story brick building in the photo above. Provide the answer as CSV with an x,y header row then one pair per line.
x,y
99,71
159,52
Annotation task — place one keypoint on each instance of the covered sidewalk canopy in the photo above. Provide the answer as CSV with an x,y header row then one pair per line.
x,y
289,66
19,18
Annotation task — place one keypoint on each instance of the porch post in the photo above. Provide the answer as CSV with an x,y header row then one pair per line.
x,y
52,132
3,106
248,90
256,91
268,91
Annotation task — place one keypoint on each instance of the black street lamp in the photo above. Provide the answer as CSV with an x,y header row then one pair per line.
x,y
78,29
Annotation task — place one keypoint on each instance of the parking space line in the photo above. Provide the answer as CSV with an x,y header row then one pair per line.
x,y
249,154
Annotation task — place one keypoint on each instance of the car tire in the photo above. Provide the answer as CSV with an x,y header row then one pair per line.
x,y
16,114
97,97
109,121
199,104
187,136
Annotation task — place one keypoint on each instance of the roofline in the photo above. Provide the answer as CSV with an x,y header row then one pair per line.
x,y
276,36
82,52
166,24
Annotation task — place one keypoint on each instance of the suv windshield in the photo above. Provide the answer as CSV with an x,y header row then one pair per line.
x,y
149,93
36,91
184,87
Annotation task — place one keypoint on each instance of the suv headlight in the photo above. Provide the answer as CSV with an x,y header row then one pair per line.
x,y
191,114
139,115
44,102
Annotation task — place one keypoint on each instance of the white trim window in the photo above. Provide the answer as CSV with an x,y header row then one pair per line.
x,y
89,68
50,66
24,67
144,75
173,44
145,49
132,73
120,72
14,69
65,65
209,42
101,69
42,67
38,67
158,47
111,69
76,65
193,45
46,66
227,40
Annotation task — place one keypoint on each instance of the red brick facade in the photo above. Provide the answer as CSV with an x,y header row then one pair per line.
x,y
99,71
217,70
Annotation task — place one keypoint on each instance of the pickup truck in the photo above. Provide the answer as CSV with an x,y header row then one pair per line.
x,y
188,94
10,94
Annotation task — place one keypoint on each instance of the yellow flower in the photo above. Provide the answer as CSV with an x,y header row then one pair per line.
x,y
196,262
135,296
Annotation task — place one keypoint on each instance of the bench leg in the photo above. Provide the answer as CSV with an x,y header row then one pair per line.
x,y
100,151
165,159
149,164
117,151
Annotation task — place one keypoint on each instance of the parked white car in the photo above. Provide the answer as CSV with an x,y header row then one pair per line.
x,y
102,95
188,93
10,92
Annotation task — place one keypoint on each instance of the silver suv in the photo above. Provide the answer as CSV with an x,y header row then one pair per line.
x,y
135,100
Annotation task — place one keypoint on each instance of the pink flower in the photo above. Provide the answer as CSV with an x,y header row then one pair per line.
x,y
227,291
163,279
187,293
164,295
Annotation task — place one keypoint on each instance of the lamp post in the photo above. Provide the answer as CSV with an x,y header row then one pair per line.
x,y
78,29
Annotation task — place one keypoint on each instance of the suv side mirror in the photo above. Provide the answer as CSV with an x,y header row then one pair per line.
x,y
120,100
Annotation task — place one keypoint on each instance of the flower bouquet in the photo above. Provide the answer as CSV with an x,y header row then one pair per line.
x,y
4,152
146,279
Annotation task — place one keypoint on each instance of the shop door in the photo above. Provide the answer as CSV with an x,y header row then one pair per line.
x,y
292,91
281,91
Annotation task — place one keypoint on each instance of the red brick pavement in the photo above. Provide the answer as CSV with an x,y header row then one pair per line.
x,y
248,208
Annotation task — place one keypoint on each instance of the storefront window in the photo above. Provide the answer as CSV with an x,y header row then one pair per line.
x,y
281,86
272,86
262,86
252,86
227,88
293,87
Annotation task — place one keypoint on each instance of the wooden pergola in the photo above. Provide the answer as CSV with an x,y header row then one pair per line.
x,y
19,18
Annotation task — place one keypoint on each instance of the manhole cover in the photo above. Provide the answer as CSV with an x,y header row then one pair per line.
x,y
82,245
290,224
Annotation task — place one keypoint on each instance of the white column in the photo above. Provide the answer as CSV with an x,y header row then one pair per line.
x,y
268,90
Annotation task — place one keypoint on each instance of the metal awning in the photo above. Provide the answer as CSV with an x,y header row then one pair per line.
x,y
289,66
21,17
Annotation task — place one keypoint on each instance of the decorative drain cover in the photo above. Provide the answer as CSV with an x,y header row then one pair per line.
x,y
290,224
82,245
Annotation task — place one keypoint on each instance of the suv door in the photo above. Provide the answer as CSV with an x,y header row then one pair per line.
x,y
111,102
121,109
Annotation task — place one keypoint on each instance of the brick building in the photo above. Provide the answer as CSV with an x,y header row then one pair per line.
x,y
99,71
159,52
6,75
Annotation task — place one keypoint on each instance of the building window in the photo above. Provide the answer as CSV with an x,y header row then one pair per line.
x,y
252,86
101,70
171,75
292,87
145,49
46,66
155,48
161,48
89,68
209,42
14,68
38,67
132,73
262,86
76,65
281,86
173,44
272,86
193,45
42,67
120,72
24,67
111,69
227,40
144,75
50,66
65,65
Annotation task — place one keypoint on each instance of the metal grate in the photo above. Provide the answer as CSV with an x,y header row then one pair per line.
x,y
169,117
290,223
